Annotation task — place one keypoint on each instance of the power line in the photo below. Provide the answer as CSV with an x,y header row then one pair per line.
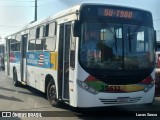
x,y
16,6
2,34
8,26
16,1
46,4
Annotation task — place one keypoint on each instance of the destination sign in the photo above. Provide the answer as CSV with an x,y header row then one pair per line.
x,y
118,13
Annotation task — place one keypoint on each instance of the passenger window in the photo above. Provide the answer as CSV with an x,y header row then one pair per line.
x,y
46,30
12,47
50,38
38,32
51,29
15,42
49,44
31,45
39,45
41,31
32,33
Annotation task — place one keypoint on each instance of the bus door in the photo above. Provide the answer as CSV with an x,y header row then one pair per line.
x,y
64,50
23,58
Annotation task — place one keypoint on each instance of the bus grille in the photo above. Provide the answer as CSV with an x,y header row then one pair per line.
x,y
115,101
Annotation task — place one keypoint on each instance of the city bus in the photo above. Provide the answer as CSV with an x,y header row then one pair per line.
x,y
2,51
157,69
54,56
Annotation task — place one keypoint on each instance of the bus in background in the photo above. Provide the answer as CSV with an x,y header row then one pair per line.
x,y
2,51
157,69
89,55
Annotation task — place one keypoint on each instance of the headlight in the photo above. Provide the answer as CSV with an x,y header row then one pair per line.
x,y
148,87
86,87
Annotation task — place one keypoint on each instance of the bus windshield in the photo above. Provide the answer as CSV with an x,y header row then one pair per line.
x,y
116,46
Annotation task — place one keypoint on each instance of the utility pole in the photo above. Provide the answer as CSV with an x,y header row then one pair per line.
x,y
35,14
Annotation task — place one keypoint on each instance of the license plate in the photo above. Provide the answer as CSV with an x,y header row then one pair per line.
x,y
123,99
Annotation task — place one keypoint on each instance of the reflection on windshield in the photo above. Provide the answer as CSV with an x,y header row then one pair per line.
x,y
116,46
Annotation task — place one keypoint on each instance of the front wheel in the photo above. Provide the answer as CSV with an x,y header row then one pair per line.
x,y
52,93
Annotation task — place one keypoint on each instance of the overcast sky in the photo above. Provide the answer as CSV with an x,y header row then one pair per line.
x,y
16,13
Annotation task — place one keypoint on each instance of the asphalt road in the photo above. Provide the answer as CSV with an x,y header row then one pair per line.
x,y
26,101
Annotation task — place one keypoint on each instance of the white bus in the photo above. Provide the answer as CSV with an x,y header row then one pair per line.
x,y
116,68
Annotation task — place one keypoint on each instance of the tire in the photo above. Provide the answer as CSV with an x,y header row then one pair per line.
x,y
52,94
15,79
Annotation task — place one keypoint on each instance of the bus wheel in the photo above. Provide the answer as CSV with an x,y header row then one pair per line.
x,y
52,94
15,80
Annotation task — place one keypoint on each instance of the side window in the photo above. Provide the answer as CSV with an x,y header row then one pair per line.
x,y
12,41
46,30
38,32
32,33
39,45
32,36
73,48
41,32
12,47
31,45
49,44
15,46
39,37
52,29
15,43
50,37
18,39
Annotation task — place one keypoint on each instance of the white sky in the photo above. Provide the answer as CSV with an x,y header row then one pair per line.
x,y
16,13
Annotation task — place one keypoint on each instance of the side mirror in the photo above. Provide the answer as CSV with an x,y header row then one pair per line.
x,y
155,40
76,28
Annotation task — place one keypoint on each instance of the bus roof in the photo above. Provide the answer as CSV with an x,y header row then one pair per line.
x,y
65,12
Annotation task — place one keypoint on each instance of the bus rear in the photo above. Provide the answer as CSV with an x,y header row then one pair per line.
x,y
115,56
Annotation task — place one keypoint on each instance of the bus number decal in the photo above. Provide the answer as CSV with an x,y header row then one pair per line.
x,y
114,88
110,88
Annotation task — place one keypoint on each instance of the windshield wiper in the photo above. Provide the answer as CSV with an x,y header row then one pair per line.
x,y
129,39
133,35
138,27
114,34
115,38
